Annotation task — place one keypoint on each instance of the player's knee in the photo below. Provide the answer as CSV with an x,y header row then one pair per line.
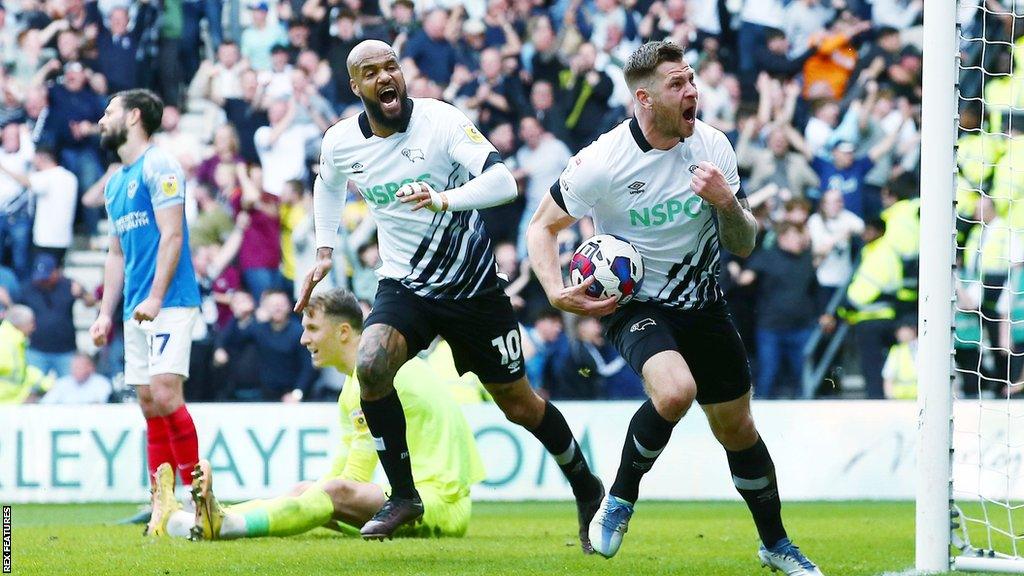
x,y
375,373
735,433
673,399
149,409
339,490
520,407
165,399
522,413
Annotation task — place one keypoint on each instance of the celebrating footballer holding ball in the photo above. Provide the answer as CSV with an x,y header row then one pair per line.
x,y
677,333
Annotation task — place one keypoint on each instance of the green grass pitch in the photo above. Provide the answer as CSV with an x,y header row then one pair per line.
x,y
693,538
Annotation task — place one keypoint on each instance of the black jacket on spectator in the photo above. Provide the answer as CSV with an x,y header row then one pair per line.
x,y
41,129
586,107
553,120
436,59
337,55
572,374
781,66
547,67
787,288
55,325
246,120
242,372
490,116
119,57
284,364
67,106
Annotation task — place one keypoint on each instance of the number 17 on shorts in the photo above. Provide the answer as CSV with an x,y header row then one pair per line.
x,y
157,345
162,346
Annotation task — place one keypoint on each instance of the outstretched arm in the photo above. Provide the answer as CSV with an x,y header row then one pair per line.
x,y
328,203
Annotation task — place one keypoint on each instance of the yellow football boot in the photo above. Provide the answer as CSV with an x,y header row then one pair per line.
x,y
164,502
209,513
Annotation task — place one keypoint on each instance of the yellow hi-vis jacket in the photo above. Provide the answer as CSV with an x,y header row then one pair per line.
x,y
901,369
977,154
1007,178
1002,95
873,289
902,232
17,378
991,250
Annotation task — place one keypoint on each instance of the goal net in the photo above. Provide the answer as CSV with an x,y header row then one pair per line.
x,y
971,455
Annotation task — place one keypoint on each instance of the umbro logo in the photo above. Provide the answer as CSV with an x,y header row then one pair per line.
x,y
358,168
637,187
413,154
513,366
642,325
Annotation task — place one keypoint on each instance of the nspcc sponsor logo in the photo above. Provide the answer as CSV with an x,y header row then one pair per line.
x,y
666,212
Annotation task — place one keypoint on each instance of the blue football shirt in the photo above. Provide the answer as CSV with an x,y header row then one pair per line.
x,y
133,194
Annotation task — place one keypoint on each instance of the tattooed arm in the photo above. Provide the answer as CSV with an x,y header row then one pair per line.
x,y
737,228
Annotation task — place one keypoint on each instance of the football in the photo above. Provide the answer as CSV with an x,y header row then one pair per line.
x,y
616,266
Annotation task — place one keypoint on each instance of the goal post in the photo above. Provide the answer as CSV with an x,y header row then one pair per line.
x,y
934,361
970,449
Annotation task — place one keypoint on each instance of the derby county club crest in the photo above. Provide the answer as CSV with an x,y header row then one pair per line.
x,y
413,154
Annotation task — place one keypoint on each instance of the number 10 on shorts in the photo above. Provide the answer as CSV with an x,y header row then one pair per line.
x,y
510,347
157,343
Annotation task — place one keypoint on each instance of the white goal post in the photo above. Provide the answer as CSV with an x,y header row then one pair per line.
x,y
970,451
934,360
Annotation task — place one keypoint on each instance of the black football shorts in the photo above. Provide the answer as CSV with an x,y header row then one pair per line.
x,y
482,331
705,338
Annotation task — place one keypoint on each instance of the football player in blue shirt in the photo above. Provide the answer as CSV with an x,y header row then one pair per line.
x,y
150,266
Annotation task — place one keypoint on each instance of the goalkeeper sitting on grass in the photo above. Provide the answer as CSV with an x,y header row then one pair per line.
x,y
445,458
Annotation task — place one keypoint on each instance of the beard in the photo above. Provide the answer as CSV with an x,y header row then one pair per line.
x,y
669,121
375,111
114,139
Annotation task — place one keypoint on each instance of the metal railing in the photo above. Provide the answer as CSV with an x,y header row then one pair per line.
x,y
814,371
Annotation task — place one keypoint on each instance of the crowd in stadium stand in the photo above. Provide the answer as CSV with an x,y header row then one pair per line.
x,y
821,99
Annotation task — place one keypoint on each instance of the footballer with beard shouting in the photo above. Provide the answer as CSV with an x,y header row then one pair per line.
x,y
425,171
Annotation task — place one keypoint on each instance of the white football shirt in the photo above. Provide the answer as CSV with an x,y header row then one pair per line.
x,y
642,195
437,255
56,191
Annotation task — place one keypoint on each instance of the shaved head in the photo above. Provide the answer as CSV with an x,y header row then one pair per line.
x,y
366,50
376,78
